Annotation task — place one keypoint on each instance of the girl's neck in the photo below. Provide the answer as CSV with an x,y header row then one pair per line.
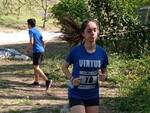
x,y
90,47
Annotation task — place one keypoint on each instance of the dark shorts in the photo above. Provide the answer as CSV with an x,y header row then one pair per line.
x,y
37,58
86,103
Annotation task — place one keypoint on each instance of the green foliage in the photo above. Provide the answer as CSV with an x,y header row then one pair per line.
x,y
56,110
136,92
132,76
14,111
25,9
134,43
77,9
116,74
118,20
53,67
112,17
14,7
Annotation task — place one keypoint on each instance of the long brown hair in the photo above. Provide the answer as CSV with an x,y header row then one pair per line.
x,y
73,31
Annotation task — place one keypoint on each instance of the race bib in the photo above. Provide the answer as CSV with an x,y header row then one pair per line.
x,y
88,82
88,79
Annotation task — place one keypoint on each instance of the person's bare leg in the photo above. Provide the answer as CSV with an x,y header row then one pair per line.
x,y
39,71
92,109
36,76
48,83
77,109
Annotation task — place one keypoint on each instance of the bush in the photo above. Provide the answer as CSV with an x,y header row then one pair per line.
x,y
77,9
132,75
123,31
136,93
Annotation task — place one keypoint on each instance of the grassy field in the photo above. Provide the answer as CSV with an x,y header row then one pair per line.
x,y
128,85
21,98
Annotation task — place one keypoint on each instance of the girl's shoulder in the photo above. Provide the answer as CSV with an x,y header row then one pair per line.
x,y
101,50
76,48
98,47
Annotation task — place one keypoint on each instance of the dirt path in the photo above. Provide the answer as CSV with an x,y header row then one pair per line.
x,y
17,96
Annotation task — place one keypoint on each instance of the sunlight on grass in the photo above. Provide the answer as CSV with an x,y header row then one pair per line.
x,y
130,75
24,101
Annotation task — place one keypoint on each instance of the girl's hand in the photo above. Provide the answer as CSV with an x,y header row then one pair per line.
x,y
76,81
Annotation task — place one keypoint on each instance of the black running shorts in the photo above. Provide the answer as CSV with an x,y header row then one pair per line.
x,y
37,58
86,103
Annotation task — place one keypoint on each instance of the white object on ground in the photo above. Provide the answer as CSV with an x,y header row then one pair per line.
x,y
13,54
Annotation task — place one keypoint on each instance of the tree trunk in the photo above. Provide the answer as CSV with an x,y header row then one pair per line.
x,y
45,18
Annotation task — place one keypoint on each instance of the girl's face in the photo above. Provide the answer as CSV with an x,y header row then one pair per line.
x,y
91,32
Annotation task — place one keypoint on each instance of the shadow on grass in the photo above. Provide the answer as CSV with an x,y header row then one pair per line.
x,y
15,68
16,88
40,109
45,96
107,105
11,84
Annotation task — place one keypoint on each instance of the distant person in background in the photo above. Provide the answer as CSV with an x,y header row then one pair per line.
x,y
36,45
89,62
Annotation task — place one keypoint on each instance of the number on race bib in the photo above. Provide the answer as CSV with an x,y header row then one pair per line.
x,y
88,79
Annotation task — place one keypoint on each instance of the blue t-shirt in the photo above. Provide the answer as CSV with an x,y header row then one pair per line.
x,y
37,39
86,66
